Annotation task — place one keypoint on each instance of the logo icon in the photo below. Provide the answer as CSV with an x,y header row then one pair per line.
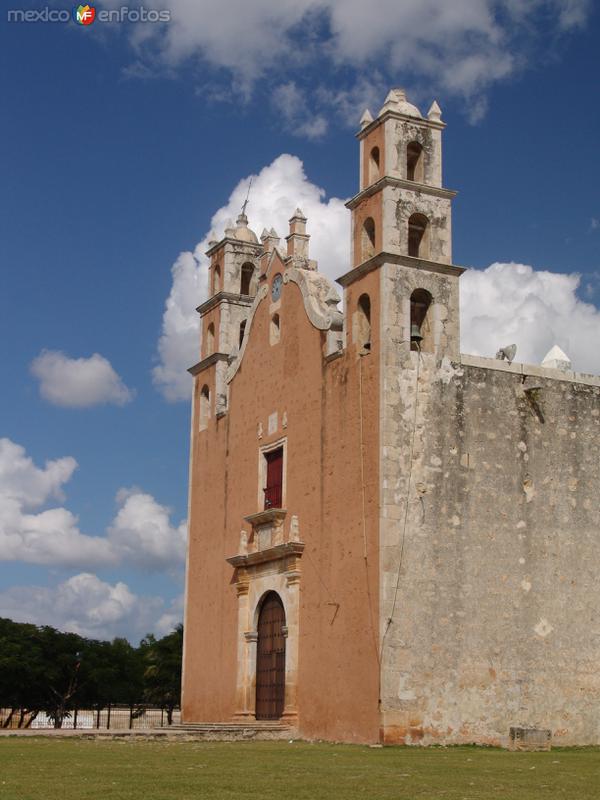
x,y
84,15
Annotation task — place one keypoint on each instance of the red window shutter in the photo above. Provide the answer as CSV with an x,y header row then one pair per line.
x,y
273,498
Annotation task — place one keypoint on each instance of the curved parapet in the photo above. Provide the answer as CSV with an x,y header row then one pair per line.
x,y
320,303
320,298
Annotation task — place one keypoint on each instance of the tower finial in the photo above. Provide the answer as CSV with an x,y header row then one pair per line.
x,y
435,112
366,119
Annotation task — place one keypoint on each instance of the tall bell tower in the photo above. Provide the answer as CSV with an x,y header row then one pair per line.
x,y
402,217
403,291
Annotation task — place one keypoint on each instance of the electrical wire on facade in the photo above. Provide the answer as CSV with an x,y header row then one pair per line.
x,y
406,506
364,508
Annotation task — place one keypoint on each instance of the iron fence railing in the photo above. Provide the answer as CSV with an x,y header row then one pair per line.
x,y
112,717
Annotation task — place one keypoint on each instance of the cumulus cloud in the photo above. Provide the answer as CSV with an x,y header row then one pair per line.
x,y
535,309
78,382
276,191
140,534
141,531
515,302
49,536
86,605
171,617
459,47
292,105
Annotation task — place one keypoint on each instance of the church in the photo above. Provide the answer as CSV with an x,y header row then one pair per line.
x,y
390,541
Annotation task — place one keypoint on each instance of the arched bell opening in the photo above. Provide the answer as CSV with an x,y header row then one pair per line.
x,y
418,236
421,324
204,407
363,323
367,239
415,170
374,165
209,347
246,279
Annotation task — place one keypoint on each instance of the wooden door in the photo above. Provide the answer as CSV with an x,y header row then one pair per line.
x,y
270,659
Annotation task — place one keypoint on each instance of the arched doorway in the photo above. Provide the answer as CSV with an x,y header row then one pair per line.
x,y
270,659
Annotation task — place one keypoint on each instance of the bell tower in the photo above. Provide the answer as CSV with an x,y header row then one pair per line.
x,y
402,218
233,273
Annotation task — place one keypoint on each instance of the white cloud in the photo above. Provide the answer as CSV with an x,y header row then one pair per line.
x,y
78,382
292,105
31,486
171,617
276,191
141,533
86,605
572,13
49,536
459,47
535,309
505,302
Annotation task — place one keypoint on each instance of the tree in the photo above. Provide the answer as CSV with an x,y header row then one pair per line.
x,y
42,669
162,676
22,671
62,654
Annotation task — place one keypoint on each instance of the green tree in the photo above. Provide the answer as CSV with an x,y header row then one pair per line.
x,y
22,671
63,656
162,675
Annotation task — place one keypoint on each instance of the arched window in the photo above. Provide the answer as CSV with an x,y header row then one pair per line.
x,y
374,165
418,236
275,329
204,407
242,331
421,328
209,348
414,163
363,323
216,279
246,280
367,241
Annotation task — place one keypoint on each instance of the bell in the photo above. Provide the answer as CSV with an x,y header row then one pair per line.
x,y
415,333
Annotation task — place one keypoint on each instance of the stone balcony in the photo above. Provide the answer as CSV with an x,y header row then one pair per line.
x,y
268,539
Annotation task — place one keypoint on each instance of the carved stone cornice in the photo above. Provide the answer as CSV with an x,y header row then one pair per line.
x,y
399,183
224,297
391,114
270,516
207,362
405,261
277,553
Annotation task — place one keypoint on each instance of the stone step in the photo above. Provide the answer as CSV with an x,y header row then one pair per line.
x,y
233,730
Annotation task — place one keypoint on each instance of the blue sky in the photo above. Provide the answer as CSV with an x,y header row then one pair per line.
x,y
124,145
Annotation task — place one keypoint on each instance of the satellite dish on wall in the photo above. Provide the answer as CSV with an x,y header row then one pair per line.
x,y
507,353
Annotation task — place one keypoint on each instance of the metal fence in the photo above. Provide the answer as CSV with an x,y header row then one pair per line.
x,y
113,717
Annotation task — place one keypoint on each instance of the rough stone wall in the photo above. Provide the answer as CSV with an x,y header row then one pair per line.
x,y
399,205
491,584
399,134
236,254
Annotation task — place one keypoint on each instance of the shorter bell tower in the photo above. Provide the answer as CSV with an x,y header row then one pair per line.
x,y
233,275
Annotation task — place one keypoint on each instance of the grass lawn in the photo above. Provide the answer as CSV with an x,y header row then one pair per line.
x,y
53,769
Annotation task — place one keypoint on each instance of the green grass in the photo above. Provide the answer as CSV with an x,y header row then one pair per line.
x,y
53,769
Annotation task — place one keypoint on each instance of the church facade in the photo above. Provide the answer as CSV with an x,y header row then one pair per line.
x,y
390,541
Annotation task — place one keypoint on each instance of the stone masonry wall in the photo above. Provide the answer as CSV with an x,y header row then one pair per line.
x,y
491,585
